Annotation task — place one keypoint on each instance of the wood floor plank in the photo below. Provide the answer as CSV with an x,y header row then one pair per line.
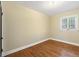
x,y
49,48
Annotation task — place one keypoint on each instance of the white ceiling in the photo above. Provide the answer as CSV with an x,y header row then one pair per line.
x,y
50,9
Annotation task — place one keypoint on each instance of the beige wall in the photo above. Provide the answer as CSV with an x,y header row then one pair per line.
x,y
65,36
22,26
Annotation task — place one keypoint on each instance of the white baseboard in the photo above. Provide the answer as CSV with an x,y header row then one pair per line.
x,y
65,41
23,47
32,44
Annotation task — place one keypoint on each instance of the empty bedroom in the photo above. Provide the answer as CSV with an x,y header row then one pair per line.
x,y
39,28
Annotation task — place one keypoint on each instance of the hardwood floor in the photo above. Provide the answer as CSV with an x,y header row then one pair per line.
x,y
49,48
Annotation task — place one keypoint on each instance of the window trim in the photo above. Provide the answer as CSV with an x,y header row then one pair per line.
x,y
68,29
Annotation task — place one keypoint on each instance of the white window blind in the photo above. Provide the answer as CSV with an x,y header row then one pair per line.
x,y
69,23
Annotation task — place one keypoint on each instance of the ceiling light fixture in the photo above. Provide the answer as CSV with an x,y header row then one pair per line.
x,y
49,5
53,4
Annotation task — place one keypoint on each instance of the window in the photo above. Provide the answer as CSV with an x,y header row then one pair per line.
x,y
69,23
